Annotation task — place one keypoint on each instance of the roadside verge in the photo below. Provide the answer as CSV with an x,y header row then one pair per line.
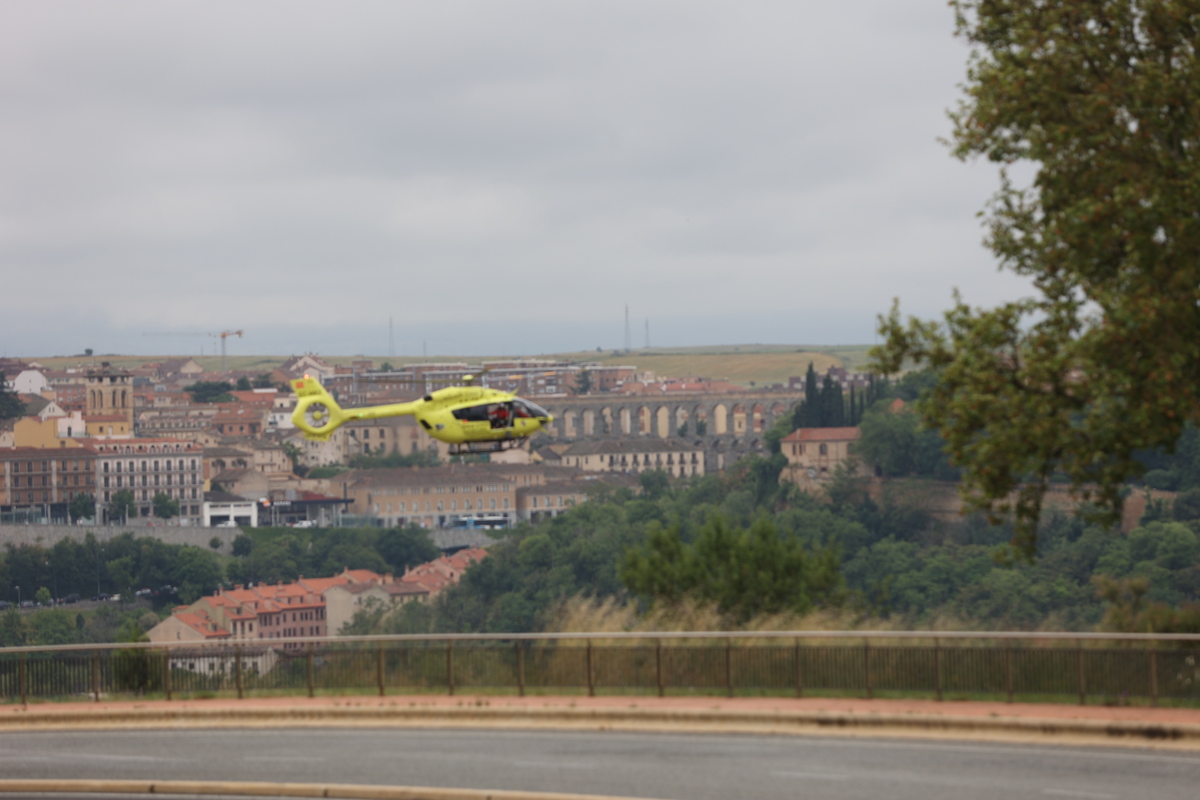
x,y
1170,728
340,791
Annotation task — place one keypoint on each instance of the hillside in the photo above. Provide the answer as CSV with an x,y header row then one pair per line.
x,y
743,364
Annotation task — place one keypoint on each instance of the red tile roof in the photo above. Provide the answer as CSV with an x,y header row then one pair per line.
x,y
822,435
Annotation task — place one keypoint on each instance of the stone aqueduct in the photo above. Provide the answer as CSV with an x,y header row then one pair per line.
x,y
727,425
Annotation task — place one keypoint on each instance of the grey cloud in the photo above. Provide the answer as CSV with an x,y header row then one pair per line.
x,y
459,164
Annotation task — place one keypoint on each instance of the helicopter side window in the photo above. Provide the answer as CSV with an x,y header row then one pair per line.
x,y
472,413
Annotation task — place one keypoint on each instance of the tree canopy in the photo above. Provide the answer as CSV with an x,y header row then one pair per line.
x,y
211,392
1099,97
11,404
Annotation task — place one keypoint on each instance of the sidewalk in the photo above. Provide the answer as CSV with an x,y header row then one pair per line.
x,y
1052,723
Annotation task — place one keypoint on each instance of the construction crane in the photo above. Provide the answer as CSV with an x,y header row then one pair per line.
x,y
222,335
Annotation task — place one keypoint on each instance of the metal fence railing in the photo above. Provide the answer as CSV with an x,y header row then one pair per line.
x,y
1078,667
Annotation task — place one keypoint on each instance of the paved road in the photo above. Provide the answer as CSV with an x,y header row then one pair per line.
x,y
688,767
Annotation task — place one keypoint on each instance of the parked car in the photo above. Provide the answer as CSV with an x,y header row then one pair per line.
x,y
5,604
71,598
27,604
306,523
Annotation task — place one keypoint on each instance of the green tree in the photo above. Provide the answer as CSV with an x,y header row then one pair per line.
x,y
52,626
11,405
897,444
122,505
242,545
196,572
655,483
82,505
121,573
243,384
262,381
583,382
421,458
43,596
406,547
165,506
1187,505
13,632
1104,361
743,572
211,391
294,453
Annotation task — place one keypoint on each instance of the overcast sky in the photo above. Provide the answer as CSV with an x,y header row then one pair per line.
x,y
499,177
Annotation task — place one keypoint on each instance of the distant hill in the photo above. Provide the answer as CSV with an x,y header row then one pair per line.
x,y
743,364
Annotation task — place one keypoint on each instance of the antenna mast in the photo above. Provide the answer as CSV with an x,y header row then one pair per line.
x,y
628,336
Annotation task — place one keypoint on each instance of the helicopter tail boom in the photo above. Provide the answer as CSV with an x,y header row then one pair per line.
x,y
319,415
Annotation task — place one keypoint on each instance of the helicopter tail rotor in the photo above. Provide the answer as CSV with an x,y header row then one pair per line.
x,y
317,413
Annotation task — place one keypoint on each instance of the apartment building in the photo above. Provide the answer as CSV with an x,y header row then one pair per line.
x,y
525,377
147,466
306,607
675,457
39,482
814,455
178,422
439,497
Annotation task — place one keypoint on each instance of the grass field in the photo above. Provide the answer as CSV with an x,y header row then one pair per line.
x,y
742,364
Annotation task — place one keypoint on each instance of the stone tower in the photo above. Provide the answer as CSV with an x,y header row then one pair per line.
x,y
110,393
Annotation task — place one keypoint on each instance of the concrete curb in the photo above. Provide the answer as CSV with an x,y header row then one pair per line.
x,y
823,723
342,791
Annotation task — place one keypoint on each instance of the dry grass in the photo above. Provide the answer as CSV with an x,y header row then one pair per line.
x,y
585,615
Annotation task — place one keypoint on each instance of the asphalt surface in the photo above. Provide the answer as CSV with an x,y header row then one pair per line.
x,y
688,767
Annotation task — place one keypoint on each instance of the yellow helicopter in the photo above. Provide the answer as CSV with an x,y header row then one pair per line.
x,y
471,419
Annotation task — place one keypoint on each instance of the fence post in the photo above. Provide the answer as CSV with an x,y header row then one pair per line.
x,y
729,668
21,678
379,668
237,669
96,674
450,666
520,669
590,682
799,674
1153,676
1008,672
167,672
308,669
658,676
867,666
937,666
1079,672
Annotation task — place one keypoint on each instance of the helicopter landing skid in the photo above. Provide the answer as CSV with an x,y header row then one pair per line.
x,y
494,446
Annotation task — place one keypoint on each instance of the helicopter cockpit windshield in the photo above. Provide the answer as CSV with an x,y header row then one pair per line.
x,y
524,408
